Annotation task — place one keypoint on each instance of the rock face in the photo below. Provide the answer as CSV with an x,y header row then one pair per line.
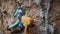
x,y
55,16
33,8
